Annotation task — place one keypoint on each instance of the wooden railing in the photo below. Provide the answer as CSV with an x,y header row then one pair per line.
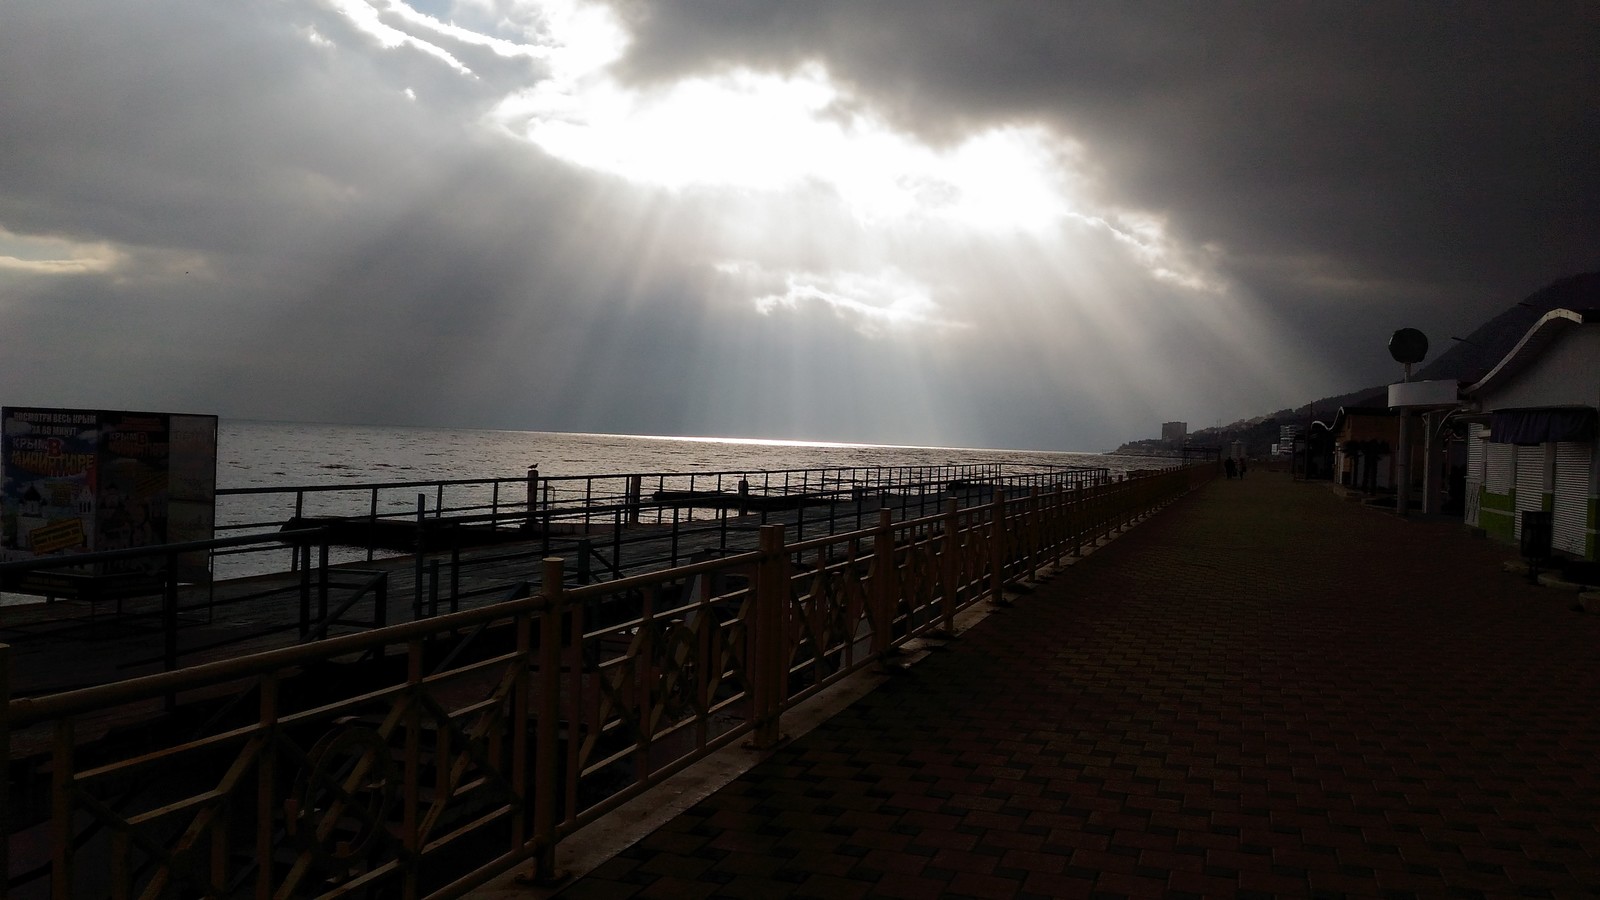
x,y
298,772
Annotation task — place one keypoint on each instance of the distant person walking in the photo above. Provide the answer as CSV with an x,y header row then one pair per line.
x,y
1241,467
1229,467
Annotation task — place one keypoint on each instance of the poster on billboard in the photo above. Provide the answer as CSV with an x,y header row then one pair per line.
x,y
79,481
50,481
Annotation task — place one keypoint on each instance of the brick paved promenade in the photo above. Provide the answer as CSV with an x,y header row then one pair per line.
x,y
1261,691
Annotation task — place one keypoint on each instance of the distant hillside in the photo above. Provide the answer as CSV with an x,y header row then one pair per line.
x,y
1466,360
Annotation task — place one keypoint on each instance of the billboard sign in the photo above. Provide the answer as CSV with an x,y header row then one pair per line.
x,y
80,481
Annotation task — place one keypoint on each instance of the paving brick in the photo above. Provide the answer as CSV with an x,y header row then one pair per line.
x,y
909,887
829,887
674,888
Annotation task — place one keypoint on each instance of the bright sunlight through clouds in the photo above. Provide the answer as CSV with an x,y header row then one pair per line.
x,y
956,222
765,131
824,207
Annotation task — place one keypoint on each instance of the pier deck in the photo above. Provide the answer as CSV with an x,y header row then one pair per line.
x,y
1262,691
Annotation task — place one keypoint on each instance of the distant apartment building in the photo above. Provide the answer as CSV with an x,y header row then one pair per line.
x,y
1286,436
1174,432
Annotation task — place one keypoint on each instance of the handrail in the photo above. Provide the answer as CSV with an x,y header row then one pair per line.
x,y
298,535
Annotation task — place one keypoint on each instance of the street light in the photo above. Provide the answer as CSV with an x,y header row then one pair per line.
x,y
1408,346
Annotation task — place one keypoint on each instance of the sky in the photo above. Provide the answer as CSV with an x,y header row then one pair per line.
x,y
1025,224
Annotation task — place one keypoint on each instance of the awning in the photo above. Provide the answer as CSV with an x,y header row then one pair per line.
x,y
1546,425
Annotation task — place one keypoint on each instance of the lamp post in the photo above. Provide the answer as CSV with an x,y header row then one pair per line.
x,y
1408,346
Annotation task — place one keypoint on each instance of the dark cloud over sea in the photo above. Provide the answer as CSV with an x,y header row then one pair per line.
x,y
1020,224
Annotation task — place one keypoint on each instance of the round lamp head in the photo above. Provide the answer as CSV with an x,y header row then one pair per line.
x,y
1408,346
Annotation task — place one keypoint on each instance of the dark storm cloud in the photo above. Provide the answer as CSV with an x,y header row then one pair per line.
x,y
303,210
1430,159
318,244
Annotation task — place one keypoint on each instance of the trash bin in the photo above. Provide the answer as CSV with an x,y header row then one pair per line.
x,y
1538,527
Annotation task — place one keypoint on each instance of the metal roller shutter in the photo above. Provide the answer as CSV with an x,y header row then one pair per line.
x,y
1530,483
1476,438
1497,469
1476,455
1571,517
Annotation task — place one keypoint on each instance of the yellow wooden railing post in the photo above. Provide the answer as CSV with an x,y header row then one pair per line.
x,y
411,793
266,784
949,568
997,546
547,776
1062,525
884,588
1035,532
5,758
517,724
1074,520
764,640
61,774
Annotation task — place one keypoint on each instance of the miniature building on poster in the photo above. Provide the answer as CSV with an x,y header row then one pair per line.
x,y
80,481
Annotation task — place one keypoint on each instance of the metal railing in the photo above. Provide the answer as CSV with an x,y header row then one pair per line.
x,y
151,595
500,731
450,565
584,500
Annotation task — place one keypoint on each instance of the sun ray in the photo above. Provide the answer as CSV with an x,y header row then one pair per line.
x,y
835,254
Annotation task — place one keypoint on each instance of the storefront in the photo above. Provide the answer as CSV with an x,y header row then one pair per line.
x,y
1533,432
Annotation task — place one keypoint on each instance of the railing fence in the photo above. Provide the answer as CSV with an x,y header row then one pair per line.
x,y
497,732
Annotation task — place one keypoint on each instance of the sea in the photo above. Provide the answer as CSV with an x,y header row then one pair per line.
x,y
292,454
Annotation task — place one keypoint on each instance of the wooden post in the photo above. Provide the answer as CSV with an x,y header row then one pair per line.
x,y
266,785
765,640
411,788
997,547
1075,520
5,759
949,568
1035,532
1052,518
882,596
517,726
61,812
547,775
